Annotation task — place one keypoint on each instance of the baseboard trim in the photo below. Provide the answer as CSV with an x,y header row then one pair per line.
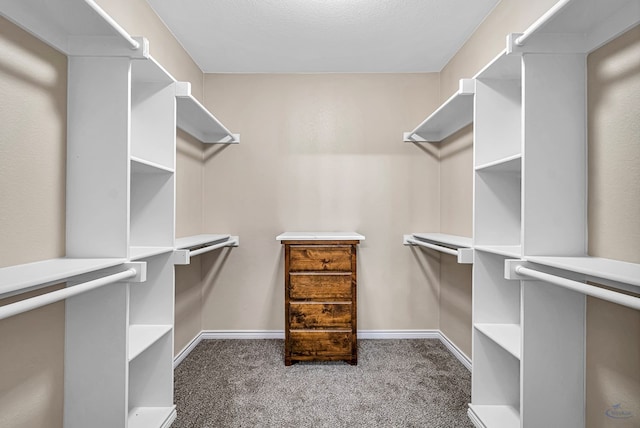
x,y
186,350
362,334
398,334
457,352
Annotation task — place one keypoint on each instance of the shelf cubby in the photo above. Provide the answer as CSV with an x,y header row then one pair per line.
x,y
496,380
496,299
497,111
151,302
151,385
507,336
498,206
143,336
152,114
151,209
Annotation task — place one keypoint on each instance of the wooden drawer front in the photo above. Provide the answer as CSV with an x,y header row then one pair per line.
x,y
320,315
335,258
320,343
322,287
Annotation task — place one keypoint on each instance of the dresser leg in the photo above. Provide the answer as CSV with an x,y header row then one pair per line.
x,y
353,361
287,361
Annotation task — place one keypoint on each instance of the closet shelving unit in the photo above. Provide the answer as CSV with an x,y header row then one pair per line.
x,y
530,205
123,110
451,116
458,246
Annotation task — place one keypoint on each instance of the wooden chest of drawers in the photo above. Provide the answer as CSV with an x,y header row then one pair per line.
x,y
320,300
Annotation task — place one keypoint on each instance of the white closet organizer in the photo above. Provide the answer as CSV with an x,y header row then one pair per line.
x,y
122,118
530,205
451,116
458,246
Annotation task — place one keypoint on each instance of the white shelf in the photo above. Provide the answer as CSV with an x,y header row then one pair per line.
x,y
137,253
596,267
142,337
73,27
199,240
502,67
145,417
509,165
141,166
513,251
148,70
453,241
505,335
451,116
197,121
578,26
487,416
21,278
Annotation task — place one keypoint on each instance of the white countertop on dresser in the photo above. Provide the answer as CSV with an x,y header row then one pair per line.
x,y
320,236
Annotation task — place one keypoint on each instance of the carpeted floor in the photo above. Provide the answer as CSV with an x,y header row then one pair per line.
x,y
397,383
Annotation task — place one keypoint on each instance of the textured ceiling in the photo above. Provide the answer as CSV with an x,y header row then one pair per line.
x,y
298,36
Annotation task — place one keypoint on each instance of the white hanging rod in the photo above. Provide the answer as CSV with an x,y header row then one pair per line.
x,y
440,248
556,8
229,243
55,296
590,290
134,45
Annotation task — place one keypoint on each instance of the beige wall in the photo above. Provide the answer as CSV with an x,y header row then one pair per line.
x,y
321,152
613,332
32,221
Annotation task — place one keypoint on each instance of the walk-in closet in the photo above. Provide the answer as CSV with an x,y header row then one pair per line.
x,y
306,213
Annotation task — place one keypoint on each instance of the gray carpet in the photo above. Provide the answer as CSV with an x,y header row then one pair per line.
x,y
397,383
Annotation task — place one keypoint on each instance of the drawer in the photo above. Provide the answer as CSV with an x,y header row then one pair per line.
x,y
320,343
335,258
323,287
319,315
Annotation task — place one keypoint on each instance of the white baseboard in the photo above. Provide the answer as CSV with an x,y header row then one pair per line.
x,y
457,352
398,334
242,334
362,334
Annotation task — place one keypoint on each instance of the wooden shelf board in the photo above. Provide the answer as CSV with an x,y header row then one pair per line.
x,y
453,241
513,251
507,336
511,164
137,253
141,337
15,279
142,166
596,267
493,416
199,240
144,417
